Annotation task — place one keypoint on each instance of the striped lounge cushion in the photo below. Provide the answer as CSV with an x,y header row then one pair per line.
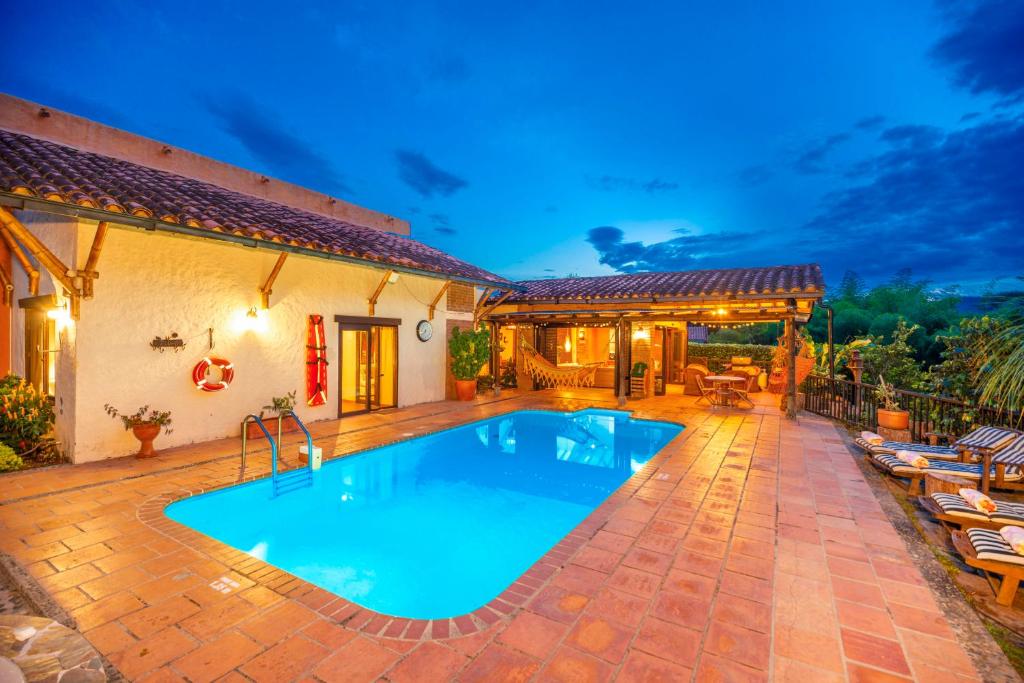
x,y
992,438
989,545
961,469
1006,513
941,452
1012,454
952,504
890,448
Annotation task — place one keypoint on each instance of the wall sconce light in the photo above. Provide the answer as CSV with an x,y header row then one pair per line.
x,y
253,313
393,278
60,315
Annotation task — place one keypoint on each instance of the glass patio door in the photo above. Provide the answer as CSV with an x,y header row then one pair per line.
x,y
368,377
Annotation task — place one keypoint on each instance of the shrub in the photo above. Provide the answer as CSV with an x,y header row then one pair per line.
x,y
9,460
720,354
470,350
26,416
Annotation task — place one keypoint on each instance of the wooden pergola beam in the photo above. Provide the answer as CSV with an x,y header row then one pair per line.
x,y
26,265
45,257
479,304
437,299
380,288
267,289
481,312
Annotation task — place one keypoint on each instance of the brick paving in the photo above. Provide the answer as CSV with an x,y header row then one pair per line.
x,y
753,549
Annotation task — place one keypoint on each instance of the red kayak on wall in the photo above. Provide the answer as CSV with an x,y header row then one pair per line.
x,y
316,362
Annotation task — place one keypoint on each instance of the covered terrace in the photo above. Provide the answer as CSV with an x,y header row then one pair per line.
x,y
611,322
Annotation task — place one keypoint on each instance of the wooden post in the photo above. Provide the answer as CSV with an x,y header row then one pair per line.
x,y
496,358
791,369
437,299
372,301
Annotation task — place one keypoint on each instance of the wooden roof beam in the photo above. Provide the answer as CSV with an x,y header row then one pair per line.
x,y
380,288
267,289
45,257
437,299
484,312
89,273
26,265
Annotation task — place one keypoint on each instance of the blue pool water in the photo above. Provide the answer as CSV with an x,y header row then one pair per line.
x,y
439,525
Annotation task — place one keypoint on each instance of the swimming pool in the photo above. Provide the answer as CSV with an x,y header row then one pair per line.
x,y
438,525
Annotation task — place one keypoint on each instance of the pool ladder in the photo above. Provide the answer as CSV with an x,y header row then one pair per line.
x,y
289,480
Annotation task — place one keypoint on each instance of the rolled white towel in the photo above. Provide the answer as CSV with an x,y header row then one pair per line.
x,y
872,438
914,459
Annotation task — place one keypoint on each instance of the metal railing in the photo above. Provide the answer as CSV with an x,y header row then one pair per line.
x,y
855,404
282,482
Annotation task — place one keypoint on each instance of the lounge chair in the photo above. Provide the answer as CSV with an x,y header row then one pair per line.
x,y
980,440
1011,456
953,512
890,448
988,551
892,465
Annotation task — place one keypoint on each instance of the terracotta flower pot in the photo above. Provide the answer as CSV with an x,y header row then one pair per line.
x,y
146,433
893,419
465,389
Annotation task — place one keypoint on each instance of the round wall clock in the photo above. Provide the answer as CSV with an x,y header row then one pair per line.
x,y
424,330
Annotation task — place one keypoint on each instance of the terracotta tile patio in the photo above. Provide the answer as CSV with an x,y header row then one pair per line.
x,y
754,549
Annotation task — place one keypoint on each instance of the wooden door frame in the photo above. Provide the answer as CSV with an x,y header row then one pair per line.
x,y
364,324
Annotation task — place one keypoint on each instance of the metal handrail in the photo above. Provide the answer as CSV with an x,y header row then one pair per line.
x,y
309,439
273,445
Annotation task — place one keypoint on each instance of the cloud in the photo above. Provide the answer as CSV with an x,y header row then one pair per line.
x,y
609,183
811,160
985,47
281,153
685,252
442,224
870,122
420,173
949,204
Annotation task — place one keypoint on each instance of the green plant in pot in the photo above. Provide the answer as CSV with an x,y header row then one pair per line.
x,y
890,415
145,424
470,350
277,406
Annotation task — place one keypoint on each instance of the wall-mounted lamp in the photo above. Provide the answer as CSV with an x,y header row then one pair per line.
x,y
60,315
393,278
568,344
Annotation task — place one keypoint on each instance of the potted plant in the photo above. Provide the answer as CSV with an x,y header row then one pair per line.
x,y
145,424
470,350
277,405
890,415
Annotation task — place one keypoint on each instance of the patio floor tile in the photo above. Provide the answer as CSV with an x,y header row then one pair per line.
x,y
751,545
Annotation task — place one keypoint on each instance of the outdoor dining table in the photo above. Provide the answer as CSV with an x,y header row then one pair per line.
x,y
723,391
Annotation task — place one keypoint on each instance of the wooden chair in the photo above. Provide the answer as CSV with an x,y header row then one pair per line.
x,y
742,393
709,396
1012,572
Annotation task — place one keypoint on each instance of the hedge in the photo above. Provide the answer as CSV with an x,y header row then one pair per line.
x,y
720,354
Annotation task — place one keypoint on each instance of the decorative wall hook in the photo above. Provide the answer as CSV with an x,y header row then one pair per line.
x,y
172,342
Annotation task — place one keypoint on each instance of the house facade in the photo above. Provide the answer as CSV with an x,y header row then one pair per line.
x,y
126,263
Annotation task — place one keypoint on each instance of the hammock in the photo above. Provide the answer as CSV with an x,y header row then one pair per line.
x,y
543,372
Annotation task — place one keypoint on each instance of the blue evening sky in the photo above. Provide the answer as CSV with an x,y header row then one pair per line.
x,y
542,139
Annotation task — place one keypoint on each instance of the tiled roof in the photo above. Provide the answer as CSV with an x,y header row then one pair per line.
x,y
38,168
780,280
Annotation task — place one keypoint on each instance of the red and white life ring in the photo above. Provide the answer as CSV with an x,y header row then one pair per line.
x,y
227,373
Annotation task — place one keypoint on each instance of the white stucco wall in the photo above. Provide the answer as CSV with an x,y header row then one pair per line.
x,y
154,284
